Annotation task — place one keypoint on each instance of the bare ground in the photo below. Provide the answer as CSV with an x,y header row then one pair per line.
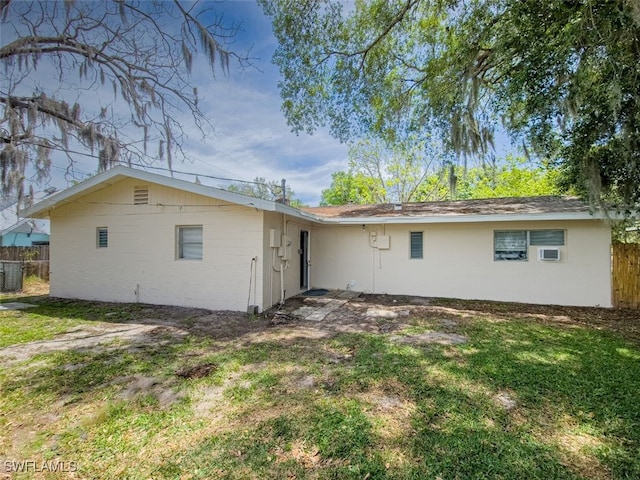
x,y
384,314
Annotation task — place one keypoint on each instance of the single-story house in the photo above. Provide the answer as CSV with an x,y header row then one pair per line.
x,y
127,235
21,232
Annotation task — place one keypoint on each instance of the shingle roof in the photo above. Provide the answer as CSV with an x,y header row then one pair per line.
x,y
490,206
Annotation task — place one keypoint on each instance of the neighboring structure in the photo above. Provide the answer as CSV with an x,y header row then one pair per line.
x,y
131,236
21,232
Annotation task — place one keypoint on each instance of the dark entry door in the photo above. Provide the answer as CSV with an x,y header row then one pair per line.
x,y
304,259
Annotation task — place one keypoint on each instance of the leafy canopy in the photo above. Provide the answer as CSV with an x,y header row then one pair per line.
x,y
513,177
560,76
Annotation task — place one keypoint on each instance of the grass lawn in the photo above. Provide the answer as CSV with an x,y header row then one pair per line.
x,y
527,395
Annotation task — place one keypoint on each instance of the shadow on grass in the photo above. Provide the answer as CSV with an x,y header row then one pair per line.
x,y
566,383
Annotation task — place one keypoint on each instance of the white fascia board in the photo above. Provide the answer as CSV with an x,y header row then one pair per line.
x,y
465,218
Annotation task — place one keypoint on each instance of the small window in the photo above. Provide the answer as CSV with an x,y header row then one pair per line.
x,y
141,195
189,241
546,237
510,245
102,237
416,244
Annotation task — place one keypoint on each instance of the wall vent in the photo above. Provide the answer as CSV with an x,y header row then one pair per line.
x,y
141,195
549,254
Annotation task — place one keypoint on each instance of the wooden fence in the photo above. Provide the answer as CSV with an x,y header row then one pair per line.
x,y
35,259
626,275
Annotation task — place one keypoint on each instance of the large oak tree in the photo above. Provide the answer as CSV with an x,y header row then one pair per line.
x,y
561,76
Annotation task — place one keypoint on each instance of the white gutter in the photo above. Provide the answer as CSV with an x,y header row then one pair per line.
x,y
504,217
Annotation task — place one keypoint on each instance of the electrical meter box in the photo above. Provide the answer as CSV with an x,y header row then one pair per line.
x,y
274,238
285,248
383,242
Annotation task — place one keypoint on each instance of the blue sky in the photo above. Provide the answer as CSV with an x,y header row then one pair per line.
x,y
252,137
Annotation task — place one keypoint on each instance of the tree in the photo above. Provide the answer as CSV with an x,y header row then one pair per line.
x,y
109,77
260,188
349,187
382,172
561,76
511,178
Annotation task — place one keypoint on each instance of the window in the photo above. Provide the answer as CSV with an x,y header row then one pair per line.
x,y
102,237
546,237
141,195
510,245
513,245
189,240
416,244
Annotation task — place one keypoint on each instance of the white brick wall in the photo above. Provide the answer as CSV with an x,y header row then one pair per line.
x,y
141,255
458,263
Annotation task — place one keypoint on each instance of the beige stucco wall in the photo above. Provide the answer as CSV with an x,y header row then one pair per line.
x,y
290,227
140,262
458,263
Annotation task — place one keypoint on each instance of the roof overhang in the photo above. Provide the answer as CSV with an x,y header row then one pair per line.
x,y
116,174
510,217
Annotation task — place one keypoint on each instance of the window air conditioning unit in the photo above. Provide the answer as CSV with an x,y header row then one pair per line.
x,y
549,254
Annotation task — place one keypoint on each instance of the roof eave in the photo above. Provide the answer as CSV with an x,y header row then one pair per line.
x,y
505,217
42,208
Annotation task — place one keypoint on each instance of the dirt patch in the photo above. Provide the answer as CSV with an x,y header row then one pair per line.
x,y
138,385
306,382
430,337
620,320
505,400
197,371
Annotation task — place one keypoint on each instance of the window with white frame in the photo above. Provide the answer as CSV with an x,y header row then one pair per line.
x,y
189,242
510,245
416,246
102,237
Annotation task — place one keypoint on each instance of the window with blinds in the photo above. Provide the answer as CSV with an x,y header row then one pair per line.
x,y
546,237
189,242
510,245
416,247
102,237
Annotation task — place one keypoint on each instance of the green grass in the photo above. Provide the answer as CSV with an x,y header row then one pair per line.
x,y
25,326
345,406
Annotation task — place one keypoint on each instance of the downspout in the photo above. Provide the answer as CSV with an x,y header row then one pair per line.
x,y
281,284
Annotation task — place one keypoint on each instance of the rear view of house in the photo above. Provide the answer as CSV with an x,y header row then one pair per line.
x,y
547,250
130,236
